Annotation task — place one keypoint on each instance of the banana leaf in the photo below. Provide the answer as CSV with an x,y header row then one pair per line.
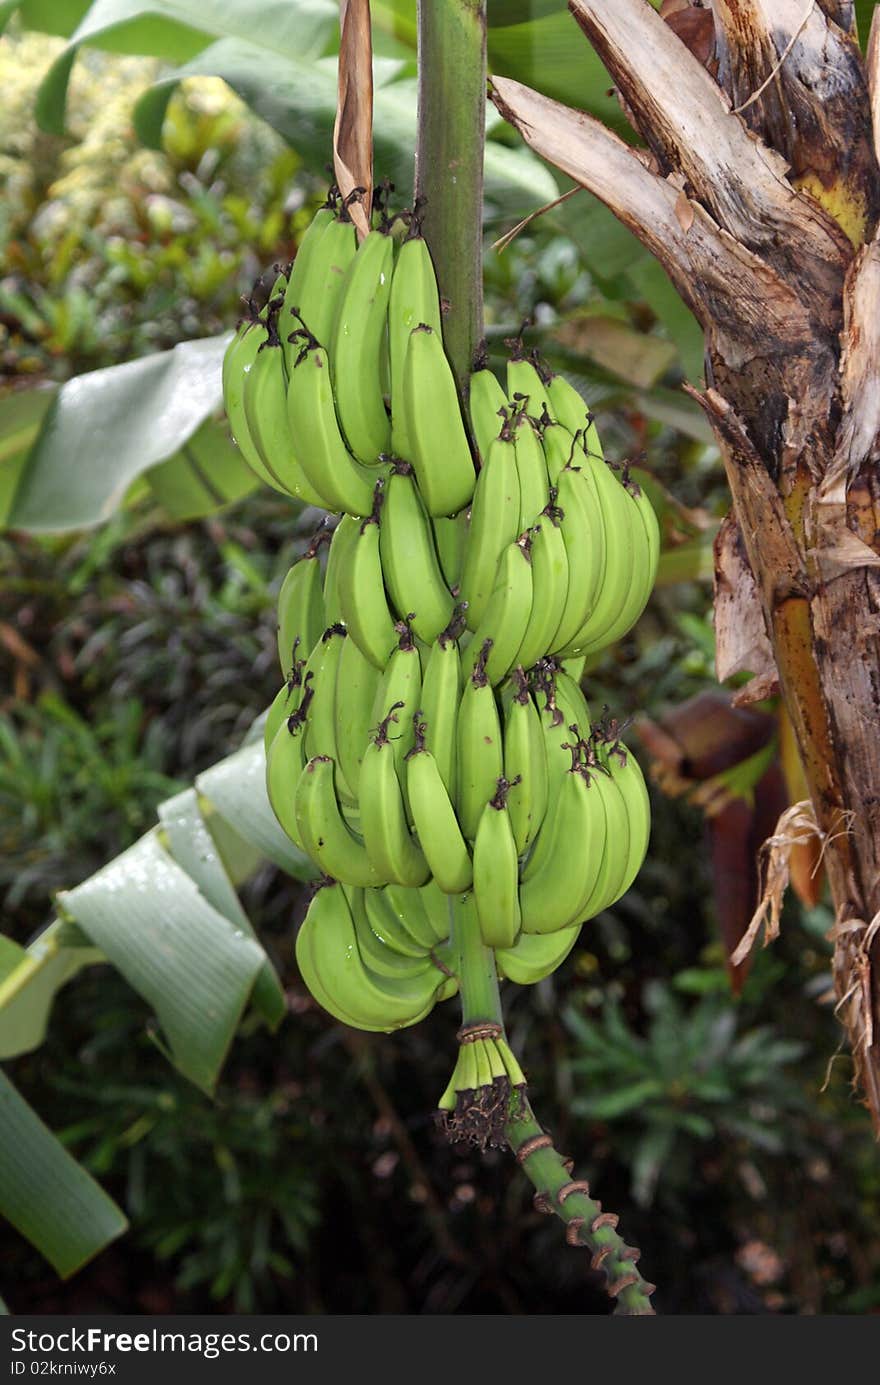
x,y
46,1194
105,429
167,915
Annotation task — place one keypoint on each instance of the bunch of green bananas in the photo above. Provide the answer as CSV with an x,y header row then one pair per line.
x,y
430,747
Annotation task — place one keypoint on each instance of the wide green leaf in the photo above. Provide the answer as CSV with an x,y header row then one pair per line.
x,y
176,30
53,16
298,99
189,840
207,473
193,966
864,14
30,979
551,54
7,10
105,428
46,1195
21,414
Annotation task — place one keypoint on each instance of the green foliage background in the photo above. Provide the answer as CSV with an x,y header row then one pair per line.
x,y
140,652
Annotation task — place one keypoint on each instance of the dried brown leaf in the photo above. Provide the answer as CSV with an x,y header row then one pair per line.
x,y
796,825
353,128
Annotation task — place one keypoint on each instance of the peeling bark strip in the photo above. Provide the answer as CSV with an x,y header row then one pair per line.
x,y
353,128
765,219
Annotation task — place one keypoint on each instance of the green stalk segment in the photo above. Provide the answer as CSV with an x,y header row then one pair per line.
x,y
586,1224
449,164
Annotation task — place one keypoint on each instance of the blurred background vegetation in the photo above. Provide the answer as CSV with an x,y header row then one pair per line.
x,y
723,1130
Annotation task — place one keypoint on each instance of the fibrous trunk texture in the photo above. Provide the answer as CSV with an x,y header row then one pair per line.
x,y
758,189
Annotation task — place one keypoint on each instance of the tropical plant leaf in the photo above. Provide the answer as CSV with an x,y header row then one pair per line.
x,y
7,10
31,977
105,428
46,1195
52,16
166,914
548,52
298,99
185,958
207,473
21,414
176,30
864,14
189,840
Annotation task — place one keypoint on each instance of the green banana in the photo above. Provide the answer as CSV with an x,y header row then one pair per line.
x,y
436,824
389,927
536,955
285,761
376,953
283,705
531,467
324,833
526,389
626,772
395,855
436,906
410,909
360,585
305,274
583,532
550,582
357,681
451,538
357,347
525,762
311,304
567,856
410,565
325,459
334,971
439,448
265,407
506,617
615,857
414,299
570,409
441,691
344,536
646,553
620,521
321,670
398,696
478,735
238,362
488,408
494,524
301,609
496,873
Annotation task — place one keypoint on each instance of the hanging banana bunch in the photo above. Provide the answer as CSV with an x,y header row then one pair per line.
x,y
430,746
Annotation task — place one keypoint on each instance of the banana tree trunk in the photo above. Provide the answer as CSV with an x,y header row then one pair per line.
x,y
758,189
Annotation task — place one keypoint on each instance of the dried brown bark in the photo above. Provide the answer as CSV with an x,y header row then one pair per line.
x,y
759,192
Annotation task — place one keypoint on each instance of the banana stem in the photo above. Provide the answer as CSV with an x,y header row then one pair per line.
x,y
586,1224
475,968
449,164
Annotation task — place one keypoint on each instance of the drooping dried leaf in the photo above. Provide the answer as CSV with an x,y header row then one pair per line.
x,y
353,129
796,824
